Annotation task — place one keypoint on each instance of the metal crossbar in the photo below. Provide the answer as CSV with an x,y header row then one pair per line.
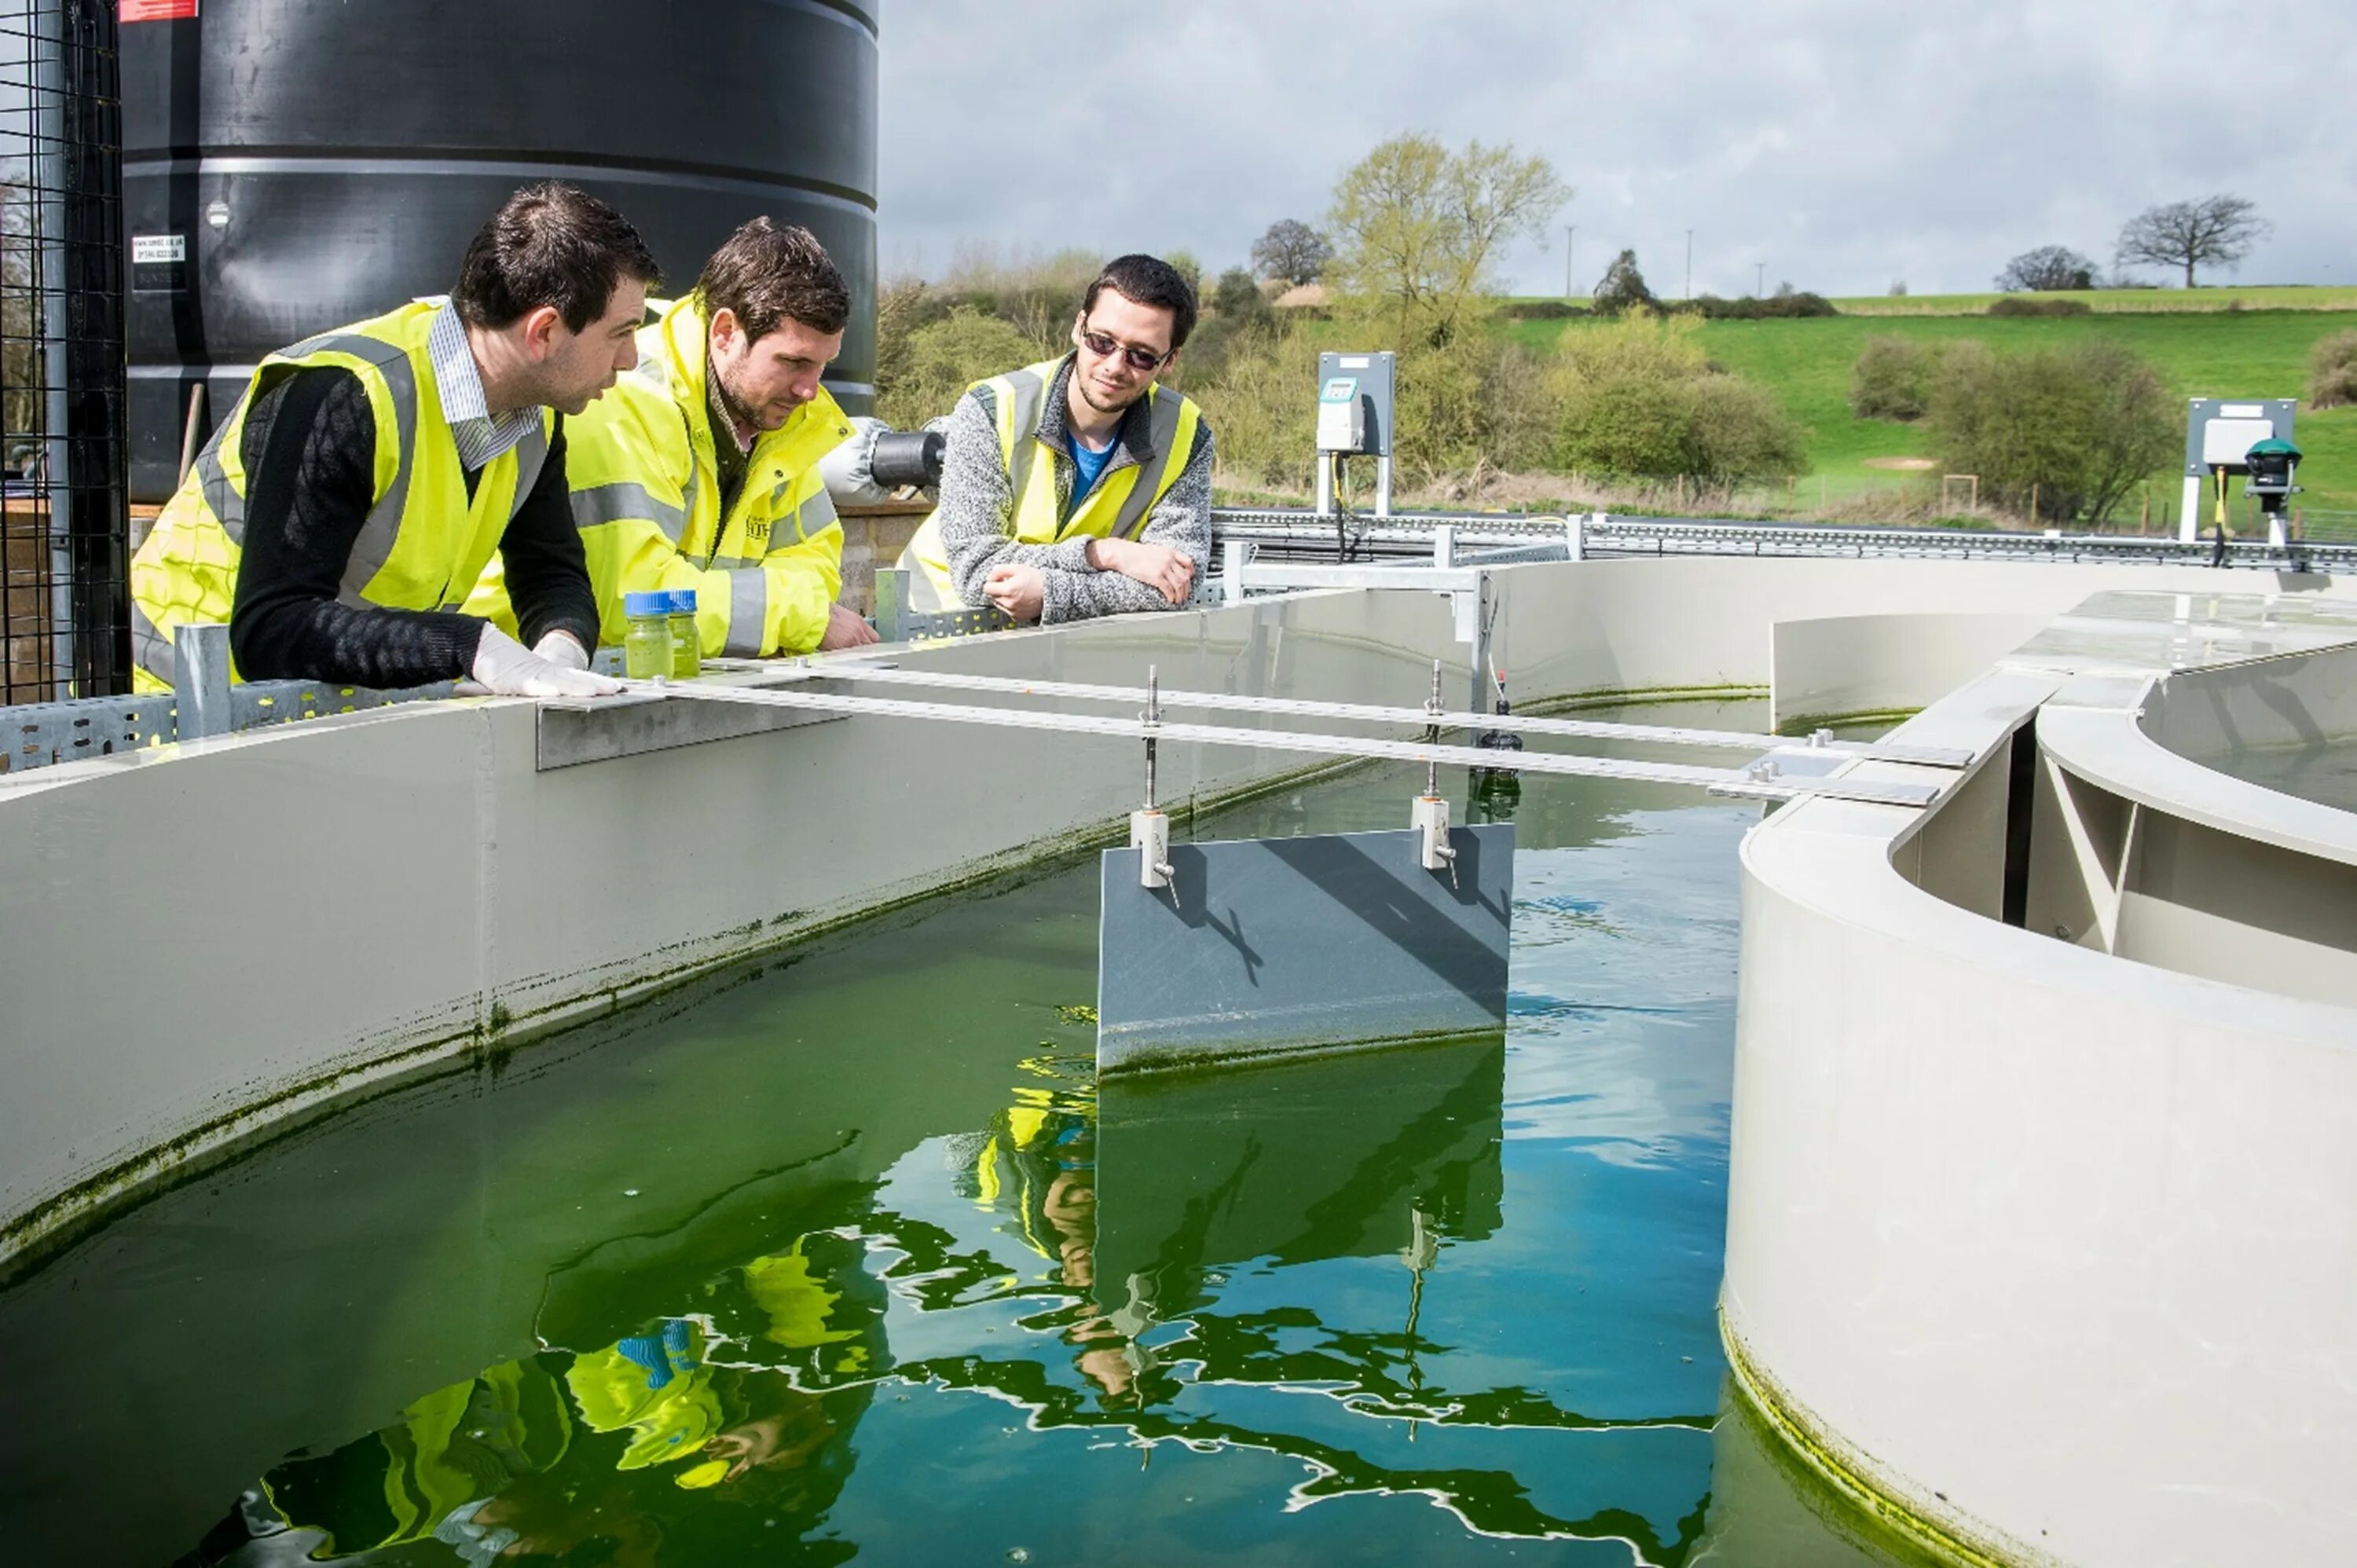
x,y
1485,539
1588,729
1758,782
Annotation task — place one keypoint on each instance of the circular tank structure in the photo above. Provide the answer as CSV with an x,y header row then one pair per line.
x,y
290,166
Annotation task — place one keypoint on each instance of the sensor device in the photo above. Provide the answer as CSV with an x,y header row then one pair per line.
x,y
1342,415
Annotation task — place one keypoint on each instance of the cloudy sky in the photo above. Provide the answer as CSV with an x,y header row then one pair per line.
x,y
1843,145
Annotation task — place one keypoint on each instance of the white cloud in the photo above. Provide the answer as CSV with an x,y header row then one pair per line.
x,y
1843,143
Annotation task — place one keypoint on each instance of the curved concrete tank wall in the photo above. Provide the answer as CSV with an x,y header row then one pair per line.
x,y
322,163
2042,1239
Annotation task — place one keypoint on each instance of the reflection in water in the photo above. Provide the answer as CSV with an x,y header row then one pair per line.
x,y
854,1257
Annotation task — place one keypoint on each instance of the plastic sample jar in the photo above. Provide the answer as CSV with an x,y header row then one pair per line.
x,y
646,636
686,642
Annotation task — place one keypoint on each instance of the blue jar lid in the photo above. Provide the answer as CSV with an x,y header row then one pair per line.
x,y
682,601
647,603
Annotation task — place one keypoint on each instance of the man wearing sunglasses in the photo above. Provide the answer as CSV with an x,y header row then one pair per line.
x,y
1077,487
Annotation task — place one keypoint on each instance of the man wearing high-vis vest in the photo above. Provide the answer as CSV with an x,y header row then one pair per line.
x,y
338,519
701,469
1078,486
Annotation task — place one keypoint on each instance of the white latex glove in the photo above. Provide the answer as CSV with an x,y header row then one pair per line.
x,y
563,650
506,668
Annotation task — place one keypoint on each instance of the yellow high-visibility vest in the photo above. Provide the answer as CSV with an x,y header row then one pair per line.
x,y
646,494
1116,506
425,540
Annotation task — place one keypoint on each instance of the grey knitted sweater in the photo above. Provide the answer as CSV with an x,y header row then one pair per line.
x,y
977,502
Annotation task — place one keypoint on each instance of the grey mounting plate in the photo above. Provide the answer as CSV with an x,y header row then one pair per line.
x,y
2219,431
570,733
1270,947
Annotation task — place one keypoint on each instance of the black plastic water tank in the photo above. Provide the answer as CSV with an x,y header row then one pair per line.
x,y
290,165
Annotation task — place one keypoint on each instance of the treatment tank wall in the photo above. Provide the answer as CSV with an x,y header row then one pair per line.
x,y
320,163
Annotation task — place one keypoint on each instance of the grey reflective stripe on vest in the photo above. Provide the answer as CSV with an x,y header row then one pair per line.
x,y
378,534
1164,431
532,456
1031,395
816,515
150,648
624,502
749,612
221,497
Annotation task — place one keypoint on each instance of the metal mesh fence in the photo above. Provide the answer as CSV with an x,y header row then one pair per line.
x,y
64,583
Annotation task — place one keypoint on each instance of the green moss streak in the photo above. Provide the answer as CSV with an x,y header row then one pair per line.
x,y
1816,1451
1806,724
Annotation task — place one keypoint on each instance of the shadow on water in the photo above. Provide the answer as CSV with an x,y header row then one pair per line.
x,y
850,1256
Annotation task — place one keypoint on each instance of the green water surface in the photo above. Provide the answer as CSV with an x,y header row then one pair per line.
x,y
846,1255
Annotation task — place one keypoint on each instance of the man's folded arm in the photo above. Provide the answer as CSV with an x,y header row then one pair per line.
x,y
977,502
1181,520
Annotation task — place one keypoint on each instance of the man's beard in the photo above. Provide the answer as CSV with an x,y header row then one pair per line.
x,y
1087,396
730,403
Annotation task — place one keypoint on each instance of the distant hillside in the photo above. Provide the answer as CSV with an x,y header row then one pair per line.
x,y
2211,352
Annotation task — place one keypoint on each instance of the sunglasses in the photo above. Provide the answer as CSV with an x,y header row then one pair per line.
x,y
1136,359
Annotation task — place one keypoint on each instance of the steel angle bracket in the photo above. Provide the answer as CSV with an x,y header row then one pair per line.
x,y
1264,948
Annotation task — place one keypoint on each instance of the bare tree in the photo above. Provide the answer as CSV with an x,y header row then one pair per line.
x,y
2046,269
1293,250
2216,229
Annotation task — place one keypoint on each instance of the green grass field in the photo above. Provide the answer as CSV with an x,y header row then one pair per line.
x,y
2214,353
2116,301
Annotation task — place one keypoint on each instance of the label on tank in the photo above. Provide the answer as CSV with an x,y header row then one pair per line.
x,y
159,264
155,10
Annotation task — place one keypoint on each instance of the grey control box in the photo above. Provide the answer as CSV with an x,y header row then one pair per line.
x,y
1355,403
2219,431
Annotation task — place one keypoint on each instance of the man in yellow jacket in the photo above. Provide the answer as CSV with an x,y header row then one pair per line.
x,y
700,469
346,506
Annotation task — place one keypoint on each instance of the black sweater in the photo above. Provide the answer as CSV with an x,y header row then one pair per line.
x,y
310,463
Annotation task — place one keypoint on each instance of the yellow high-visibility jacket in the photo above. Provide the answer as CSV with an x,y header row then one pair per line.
x,y
646,492
425,540
1119,503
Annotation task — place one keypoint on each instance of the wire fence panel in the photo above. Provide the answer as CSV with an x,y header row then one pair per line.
x,y
64,554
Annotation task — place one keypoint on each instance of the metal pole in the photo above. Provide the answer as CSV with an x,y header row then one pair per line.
x,y
1432,732
1569,230
1153,717
1235,555
1689,263
200,688
47,114
1747,783
1759,279
192,432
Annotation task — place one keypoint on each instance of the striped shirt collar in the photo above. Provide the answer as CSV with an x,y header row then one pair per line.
x,y
479,438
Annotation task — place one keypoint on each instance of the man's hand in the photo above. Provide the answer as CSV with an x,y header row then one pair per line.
x,y
506,668
844,629
563,650
1020,591
1170,573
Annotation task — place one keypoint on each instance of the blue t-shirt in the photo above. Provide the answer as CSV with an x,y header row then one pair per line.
x,y
1090,464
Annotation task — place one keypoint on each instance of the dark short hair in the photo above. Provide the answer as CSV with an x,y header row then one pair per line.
x,y
550,245
763,275
1147,280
